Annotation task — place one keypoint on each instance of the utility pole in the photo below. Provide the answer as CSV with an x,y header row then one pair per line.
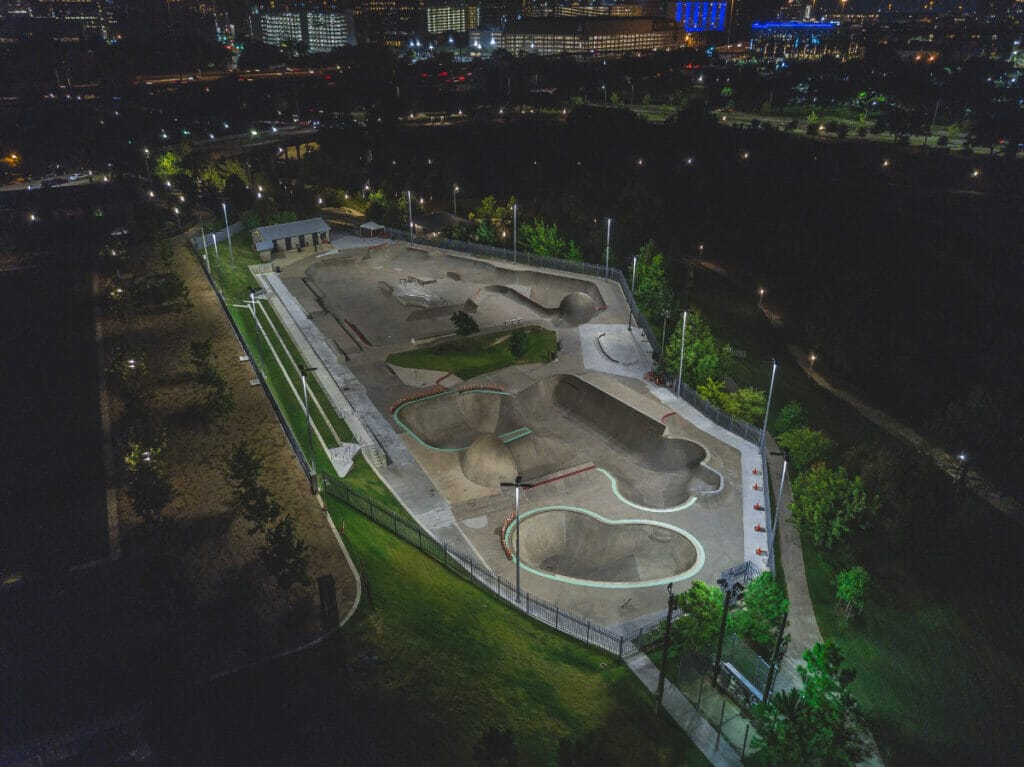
x,y
776,659
664,650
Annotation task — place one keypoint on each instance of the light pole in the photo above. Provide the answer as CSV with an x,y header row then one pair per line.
x,y
760,298
227,228
145,153
518,484
216,254
733,592
515,233
664,650
682,346
455,203
810,368
309,430
607,248
409,194
206,251
177,215
632,293
768,406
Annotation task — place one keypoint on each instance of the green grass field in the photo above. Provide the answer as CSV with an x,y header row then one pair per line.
x,y
439,661
475,355
939,669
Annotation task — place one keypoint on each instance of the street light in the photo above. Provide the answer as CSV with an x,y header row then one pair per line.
x,y
309,430
632,293
768,406
409,195
760,298
515,232
455,204
733,592
607,248
518,484
227,228
810,368
682,346
145,153
177,214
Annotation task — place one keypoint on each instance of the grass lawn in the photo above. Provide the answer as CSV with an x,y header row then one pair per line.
x,y
940,672
478,354
426,666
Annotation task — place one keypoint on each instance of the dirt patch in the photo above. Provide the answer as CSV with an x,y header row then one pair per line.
x,y
241,614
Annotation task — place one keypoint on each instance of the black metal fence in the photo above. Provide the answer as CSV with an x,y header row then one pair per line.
x,y
464,565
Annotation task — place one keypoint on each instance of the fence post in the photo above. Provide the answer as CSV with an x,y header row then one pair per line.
x,y
556,616
588,632
621,638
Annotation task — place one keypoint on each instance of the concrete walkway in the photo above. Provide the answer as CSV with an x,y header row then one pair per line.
x,y
717,750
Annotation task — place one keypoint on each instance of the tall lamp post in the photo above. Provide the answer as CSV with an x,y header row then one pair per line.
x,y
733,593
632,293
409,194
810,367
518,484
227,228
682,346
177,215
309,430
455,203
607,248
515,232
768,406
145,153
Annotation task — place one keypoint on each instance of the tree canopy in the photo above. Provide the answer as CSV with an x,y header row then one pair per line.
x,y
544,240
829,505
806,447
763,608
704,356
818,724
701,607
653,293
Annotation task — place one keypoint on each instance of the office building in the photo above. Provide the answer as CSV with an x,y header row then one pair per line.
x,y
587,36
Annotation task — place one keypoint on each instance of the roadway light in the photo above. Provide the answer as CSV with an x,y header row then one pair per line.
x,y
760,298
518,484
227,228
768,406
885,163
455,204
309,429
810,368
607,248
975,173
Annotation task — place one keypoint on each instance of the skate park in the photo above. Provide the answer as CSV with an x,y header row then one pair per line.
x,y
629,495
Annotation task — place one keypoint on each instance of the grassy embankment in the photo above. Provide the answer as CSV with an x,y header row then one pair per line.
x,y
446,660
478,354
939,669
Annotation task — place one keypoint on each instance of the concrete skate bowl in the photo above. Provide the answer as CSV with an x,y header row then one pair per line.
x,y
576,545
576,308
455,420
650,469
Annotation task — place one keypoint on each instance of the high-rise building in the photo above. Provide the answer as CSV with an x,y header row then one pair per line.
x,y
585,36
452,18
316,31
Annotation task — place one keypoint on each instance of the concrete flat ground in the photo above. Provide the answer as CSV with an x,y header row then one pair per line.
x,y
649,497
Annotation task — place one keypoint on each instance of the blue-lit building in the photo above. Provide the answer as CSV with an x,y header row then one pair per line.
x,y
702,17
794,39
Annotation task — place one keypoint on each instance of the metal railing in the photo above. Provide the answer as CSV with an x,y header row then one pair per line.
x,y
465,566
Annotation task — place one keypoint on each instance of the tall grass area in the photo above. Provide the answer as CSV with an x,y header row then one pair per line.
x,y
430,662
940,671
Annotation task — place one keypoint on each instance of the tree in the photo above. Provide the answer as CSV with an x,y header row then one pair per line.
x,y
242,472
496,748
714,392
464,324
763,608
543,240
829,506
806,447
703,358
701,607
851,589
285,555
518,343
168,165
791,416
747,404
493,220
818,724
149,490
653,292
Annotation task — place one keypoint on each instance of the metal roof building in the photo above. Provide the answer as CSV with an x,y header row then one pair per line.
x,y
294,235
